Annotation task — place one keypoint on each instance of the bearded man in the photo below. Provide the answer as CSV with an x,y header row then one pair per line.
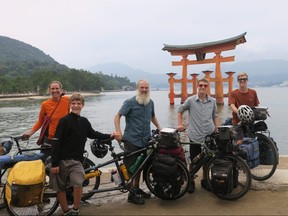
x,y
139,113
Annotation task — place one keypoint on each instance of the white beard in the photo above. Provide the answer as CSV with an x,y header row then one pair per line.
x,y
143,98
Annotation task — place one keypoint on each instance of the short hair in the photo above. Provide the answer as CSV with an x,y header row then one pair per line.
x,y
77,97
242,74
55,81
202,80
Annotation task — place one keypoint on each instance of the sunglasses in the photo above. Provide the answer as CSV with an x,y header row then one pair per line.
x,y
242,79
203,85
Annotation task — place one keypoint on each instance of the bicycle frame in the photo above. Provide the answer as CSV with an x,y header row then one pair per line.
x,y
124,185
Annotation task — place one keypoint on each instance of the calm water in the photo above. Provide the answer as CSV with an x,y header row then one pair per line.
x,y
19,116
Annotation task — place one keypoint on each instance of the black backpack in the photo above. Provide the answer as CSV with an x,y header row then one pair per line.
x,y
222,178
166,176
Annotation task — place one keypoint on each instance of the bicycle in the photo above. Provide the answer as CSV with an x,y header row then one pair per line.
x,y
268,151
92,185
220,145
50,201
146,166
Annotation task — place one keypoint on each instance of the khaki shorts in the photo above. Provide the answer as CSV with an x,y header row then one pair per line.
x,y
71,173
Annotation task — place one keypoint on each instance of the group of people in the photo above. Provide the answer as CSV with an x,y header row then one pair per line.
x,y
68,132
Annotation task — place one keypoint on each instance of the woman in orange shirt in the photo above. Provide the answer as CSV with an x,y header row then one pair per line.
x,y
47,108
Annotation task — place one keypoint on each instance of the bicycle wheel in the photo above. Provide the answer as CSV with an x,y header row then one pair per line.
x,y
241,177
268,158
47,207
169,190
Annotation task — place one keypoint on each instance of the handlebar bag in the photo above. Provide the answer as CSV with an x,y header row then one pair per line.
x,y
169,138
25,183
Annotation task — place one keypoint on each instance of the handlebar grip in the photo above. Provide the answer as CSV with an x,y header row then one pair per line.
x,y
16,138
104,141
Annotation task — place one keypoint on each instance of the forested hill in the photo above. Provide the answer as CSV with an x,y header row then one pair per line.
x,y
18,58
24,68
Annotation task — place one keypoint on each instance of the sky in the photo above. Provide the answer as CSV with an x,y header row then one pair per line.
x,y
84,33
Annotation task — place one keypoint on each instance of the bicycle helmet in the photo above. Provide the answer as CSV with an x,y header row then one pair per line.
x,y
245,114
98,149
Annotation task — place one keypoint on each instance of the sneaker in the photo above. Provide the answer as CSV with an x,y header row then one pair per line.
x,y
191,187
74,212
204,185
68,213
135,199
141,193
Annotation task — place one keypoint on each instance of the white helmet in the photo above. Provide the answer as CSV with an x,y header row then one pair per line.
x,y
245,114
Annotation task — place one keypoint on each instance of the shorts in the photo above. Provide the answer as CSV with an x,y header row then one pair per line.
x,y
71,173
129,147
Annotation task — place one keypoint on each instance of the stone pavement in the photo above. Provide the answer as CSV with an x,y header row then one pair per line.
x,y
268,197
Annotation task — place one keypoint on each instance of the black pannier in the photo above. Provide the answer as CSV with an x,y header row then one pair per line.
x,y
169,138
222,179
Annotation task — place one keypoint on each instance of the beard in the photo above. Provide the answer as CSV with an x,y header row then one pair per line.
x,y
143,98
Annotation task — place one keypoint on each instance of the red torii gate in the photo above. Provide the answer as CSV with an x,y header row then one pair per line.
x,y
200,51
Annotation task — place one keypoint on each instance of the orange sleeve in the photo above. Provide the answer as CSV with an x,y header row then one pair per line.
x,y
47,108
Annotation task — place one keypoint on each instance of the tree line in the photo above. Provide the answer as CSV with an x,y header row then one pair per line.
x,y
72,80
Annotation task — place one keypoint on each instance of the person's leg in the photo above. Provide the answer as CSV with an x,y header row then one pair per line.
x,y
194,150
133,197
63,201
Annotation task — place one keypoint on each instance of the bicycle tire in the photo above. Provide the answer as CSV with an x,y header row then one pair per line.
x,y
183,178
46,208
266,168
243,181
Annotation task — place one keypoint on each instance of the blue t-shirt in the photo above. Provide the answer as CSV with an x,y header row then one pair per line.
x,y
138,119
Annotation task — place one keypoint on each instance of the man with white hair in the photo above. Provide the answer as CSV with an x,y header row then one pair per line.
x,y
139,113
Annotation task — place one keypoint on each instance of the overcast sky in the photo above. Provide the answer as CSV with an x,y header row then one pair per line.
x,y
83,33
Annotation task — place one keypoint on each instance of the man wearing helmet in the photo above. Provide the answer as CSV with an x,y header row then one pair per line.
x,y
139,113
241,96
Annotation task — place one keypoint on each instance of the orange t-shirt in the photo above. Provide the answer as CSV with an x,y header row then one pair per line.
x,y
47,108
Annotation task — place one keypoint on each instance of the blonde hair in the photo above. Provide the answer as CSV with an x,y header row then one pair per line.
x,y
77,97
242,74
202,80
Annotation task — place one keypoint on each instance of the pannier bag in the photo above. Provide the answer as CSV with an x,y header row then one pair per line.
x,y
165,174
176,152
249,151
222,179
260,113
169,138
25,183
267,155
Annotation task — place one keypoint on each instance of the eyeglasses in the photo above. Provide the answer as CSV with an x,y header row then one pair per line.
x,y
242,79
203,85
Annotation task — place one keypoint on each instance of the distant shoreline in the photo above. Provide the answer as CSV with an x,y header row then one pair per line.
x,y
39,97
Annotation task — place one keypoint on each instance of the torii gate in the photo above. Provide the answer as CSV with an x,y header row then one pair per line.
x,y
200,51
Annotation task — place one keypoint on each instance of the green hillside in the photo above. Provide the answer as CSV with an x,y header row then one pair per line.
x,y
24,68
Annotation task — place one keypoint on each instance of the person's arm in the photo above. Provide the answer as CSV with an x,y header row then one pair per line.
x,y
155,122
118,133
180,122
233,107
216,122
37,125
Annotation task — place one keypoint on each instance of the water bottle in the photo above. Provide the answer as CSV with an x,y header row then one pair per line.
x,y
116,177
196,159
137,163
124,171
